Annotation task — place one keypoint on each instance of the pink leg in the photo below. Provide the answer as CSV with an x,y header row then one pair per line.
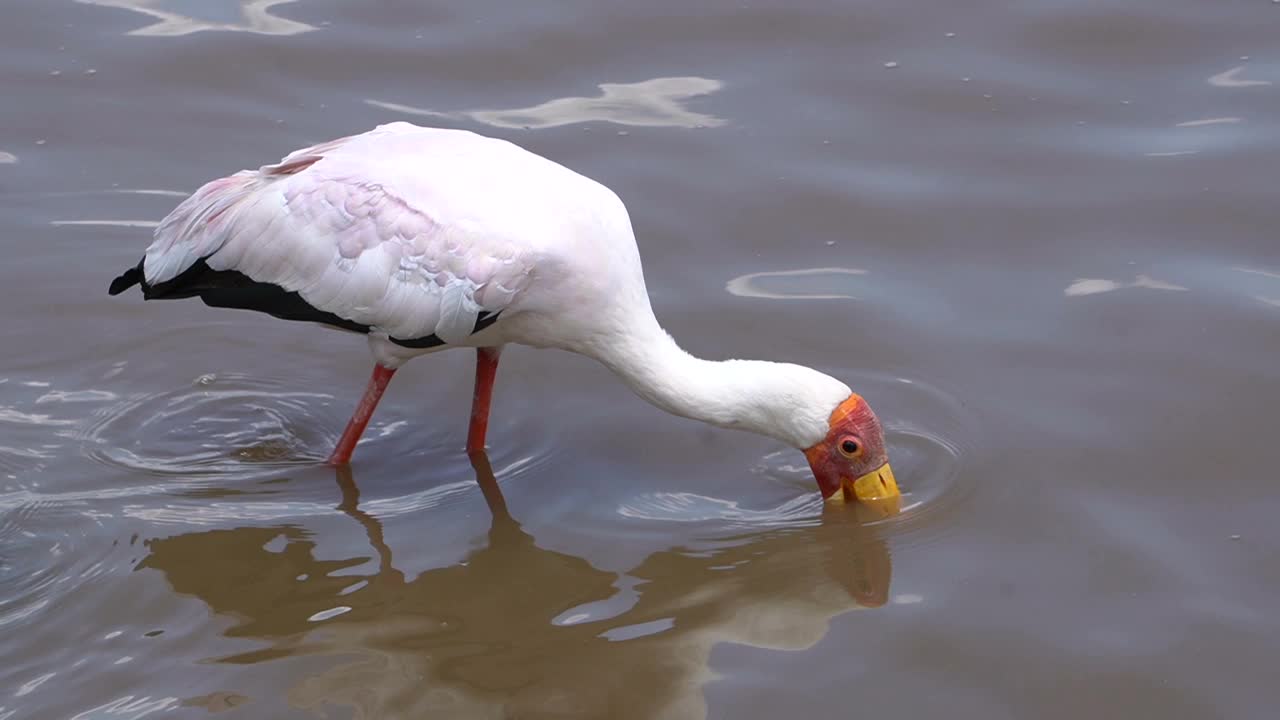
x,y
360,419
486,369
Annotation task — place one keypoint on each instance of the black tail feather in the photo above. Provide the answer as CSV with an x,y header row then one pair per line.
x,y
131,277
232,289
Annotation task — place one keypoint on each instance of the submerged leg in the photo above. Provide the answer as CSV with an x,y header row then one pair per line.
x,y
486,369
489,485
360,419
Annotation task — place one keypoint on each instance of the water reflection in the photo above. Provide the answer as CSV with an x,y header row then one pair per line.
x,y
650,103
107,223
1209,121
495,632
1261,285
827,283
176,17
1094,286
1231,79
1216,281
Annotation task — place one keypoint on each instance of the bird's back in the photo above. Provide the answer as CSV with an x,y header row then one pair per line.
x,y
426,235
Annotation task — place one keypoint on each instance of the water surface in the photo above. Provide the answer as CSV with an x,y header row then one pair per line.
x,y
1040,239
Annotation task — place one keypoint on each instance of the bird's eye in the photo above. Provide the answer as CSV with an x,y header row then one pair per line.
x,y
850,447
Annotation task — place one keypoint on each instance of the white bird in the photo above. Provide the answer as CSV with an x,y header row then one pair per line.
x,y
425,239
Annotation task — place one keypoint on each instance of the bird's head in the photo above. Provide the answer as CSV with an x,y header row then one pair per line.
x,y
850,463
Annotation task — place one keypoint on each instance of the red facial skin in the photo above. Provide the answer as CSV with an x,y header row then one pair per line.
x,y
851,420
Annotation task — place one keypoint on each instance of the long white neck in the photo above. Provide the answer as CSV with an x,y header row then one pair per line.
x,y
791,403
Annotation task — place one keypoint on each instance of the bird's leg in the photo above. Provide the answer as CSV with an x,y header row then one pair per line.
x,y
486,369
360,419
489,484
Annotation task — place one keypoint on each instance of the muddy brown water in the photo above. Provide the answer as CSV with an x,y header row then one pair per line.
x,y
1040,237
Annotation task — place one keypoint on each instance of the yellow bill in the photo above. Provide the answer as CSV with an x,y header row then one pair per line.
x,y
877,490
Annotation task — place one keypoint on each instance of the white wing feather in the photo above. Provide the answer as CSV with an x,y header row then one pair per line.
x,y
359,230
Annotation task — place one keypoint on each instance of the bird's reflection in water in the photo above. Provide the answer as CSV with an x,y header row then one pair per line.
x,y
494,636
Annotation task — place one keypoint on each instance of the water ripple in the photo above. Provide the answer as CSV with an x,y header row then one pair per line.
x,y
692,507
37,565
1231,79
926,432
218,425
824,283
650,103
251,16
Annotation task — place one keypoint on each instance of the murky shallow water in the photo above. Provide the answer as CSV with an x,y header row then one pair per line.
x,y
1041,240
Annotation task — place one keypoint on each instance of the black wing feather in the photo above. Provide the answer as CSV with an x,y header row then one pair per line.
x,y
233,289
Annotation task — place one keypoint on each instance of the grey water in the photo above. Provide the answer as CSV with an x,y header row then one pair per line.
x,y
1041,238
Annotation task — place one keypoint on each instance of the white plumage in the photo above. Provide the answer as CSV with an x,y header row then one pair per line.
x,y
352,228
429,238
